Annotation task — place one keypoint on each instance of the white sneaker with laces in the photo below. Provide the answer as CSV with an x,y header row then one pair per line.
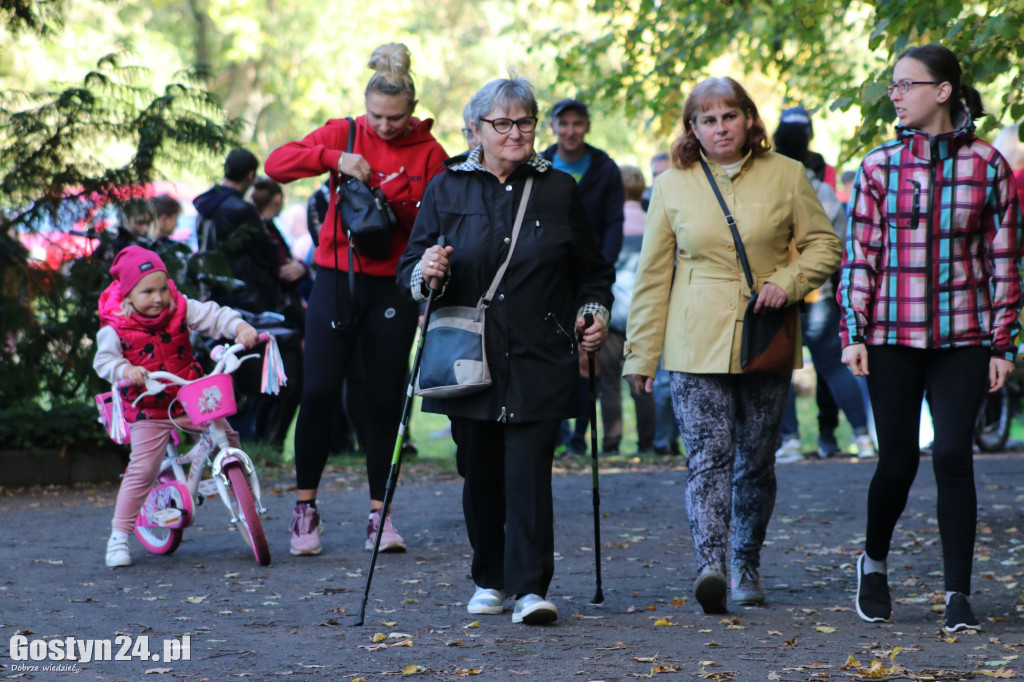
x,y
790,451
486,601
865,446
118,555
534,609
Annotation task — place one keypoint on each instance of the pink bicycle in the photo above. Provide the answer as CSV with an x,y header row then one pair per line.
x,y
180,487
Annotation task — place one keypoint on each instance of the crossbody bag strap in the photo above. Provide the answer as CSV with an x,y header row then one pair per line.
x,y
731,222
485,300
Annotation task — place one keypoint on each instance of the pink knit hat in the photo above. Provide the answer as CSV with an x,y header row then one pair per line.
x,y
134,263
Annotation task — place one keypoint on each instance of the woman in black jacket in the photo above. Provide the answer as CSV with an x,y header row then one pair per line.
x,y
505,435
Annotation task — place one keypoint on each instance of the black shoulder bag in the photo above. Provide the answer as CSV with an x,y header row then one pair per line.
x,y
769,337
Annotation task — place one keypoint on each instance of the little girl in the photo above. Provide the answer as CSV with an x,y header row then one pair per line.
x,y
144,327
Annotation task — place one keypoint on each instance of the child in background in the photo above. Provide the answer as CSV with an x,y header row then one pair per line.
x,y
144,327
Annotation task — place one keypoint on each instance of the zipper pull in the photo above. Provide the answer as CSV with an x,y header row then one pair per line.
x,y
501,417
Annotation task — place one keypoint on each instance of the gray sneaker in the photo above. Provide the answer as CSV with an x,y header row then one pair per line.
x,y
746,585
534,609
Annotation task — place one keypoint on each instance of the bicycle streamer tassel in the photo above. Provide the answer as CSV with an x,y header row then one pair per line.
x,y
273,369
117,428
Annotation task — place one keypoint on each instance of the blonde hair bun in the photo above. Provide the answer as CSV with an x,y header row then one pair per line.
x,y
390,63
392,60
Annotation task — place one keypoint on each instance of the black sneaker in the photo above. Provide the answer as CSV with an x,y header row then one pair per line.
x,y
710,590
873,603
959,615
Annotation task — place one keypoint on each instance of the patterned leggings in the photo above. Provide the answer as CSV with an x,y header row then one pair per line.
x,y
729,423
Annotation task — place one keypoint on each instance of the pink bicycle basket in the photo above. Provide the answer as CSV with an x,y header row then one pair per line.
x,y
105,404
209,398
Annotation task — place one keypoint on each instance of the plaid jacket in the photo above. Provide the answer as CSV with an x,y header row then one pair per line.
x,y
933,248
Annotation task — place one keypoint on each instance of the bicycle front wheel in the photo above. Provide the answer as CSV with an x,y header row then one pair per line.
x,y
249,522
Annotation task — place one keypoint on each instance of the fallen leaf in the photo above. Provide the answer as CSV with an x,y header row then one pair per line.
x,y
454,642
663,621
851,662
378,637
196,600
404,642
474,624
466,672
1002,674
413,670
646,659
399,635
388,623
825,629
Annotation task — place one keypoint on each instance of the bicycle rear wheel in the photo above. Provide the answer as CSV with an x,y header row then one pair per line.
x,y
250,524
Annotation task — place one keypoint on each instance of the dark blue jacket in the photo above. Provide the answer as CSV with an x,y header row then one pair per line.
x,y
603,197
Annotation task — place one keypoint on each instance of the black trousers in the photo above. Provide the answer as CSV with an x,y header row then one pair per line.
x,y
956,380
382,323
506,498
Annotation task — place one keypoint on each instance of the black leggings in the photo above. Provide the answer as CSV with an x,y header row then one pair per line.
x,y
956,380
383,329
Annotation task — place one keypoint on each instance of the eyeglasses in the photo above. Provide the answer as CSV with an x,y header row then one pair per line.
x,y
904,86
504,125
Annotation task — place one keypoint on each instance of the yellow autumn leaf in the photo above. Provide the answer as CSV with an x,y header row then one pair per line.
x,y
474,624
404,642
466,672
379,637
1002,674
646,659
851,662
196,600
399,635
388,623
413,670
678,601
358,679
663,621
824,628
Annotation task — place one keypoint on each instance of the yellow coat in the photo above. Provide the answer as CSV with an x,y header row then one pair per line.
x,y
697,316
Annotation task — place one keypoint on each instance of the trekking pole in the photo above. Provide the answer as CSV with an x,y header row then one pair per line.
x,y
396,456
588,320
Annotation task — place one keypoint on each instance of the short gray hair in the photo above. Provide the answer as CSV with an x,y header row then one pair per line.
x,y
504,92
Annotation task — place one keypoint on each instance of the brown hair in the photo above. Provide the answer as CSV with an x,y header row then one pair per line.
x,y
632,182
686,149
263,191
391,63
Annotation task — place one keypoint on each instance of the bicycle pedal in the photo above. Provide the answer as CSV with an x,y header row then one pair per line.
x,y
166,517
208,487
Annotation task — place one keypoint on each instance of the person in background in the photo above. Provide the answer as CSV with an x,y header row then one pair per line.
x,y
666,432
1009,144
931,291
601,191
820,325
660,163
233,228
505,435
166,211
396,152
729,418
135,219
610,381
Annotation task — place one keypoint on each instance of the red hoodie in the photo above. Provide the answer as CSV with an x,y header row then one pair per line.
x,y
417,152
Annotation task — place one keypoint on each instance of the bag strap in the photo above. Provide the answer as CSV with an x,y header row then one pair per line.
x,y
731,222
485,300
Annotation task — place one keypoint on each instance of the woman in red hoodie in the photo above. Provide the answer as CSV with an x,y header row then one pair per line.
x,y
396,152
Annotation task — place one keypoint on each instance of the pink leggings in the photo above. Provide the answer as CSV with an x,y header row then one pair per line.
x,y
149,444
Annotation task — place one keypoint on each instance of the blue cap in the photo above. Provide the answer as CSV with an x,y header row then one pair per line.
x,y
797,116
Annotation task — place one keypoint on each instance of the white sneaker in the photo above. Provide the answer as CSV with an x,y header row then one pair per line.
x,y
486,601
790,451
534,609
865,446
118,555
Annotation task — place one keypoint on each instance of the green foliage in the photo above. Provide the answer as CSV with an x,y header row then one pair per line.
x,y
823,54
27,427
68,152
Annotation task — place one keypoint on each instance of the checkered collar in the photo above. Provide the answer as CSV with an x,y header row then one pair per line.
x,y
471,162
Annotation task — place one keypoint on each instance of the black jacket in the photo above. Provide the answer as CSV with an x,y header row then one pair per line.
x,y
555,268
239,234
603,197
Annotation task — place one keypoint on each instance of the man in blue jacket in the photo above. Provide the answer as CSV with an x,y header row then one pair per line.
x,y
600,184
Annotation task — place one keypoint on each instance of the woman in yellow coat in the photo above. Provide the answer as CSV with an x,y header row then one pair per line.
x,y
692,317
